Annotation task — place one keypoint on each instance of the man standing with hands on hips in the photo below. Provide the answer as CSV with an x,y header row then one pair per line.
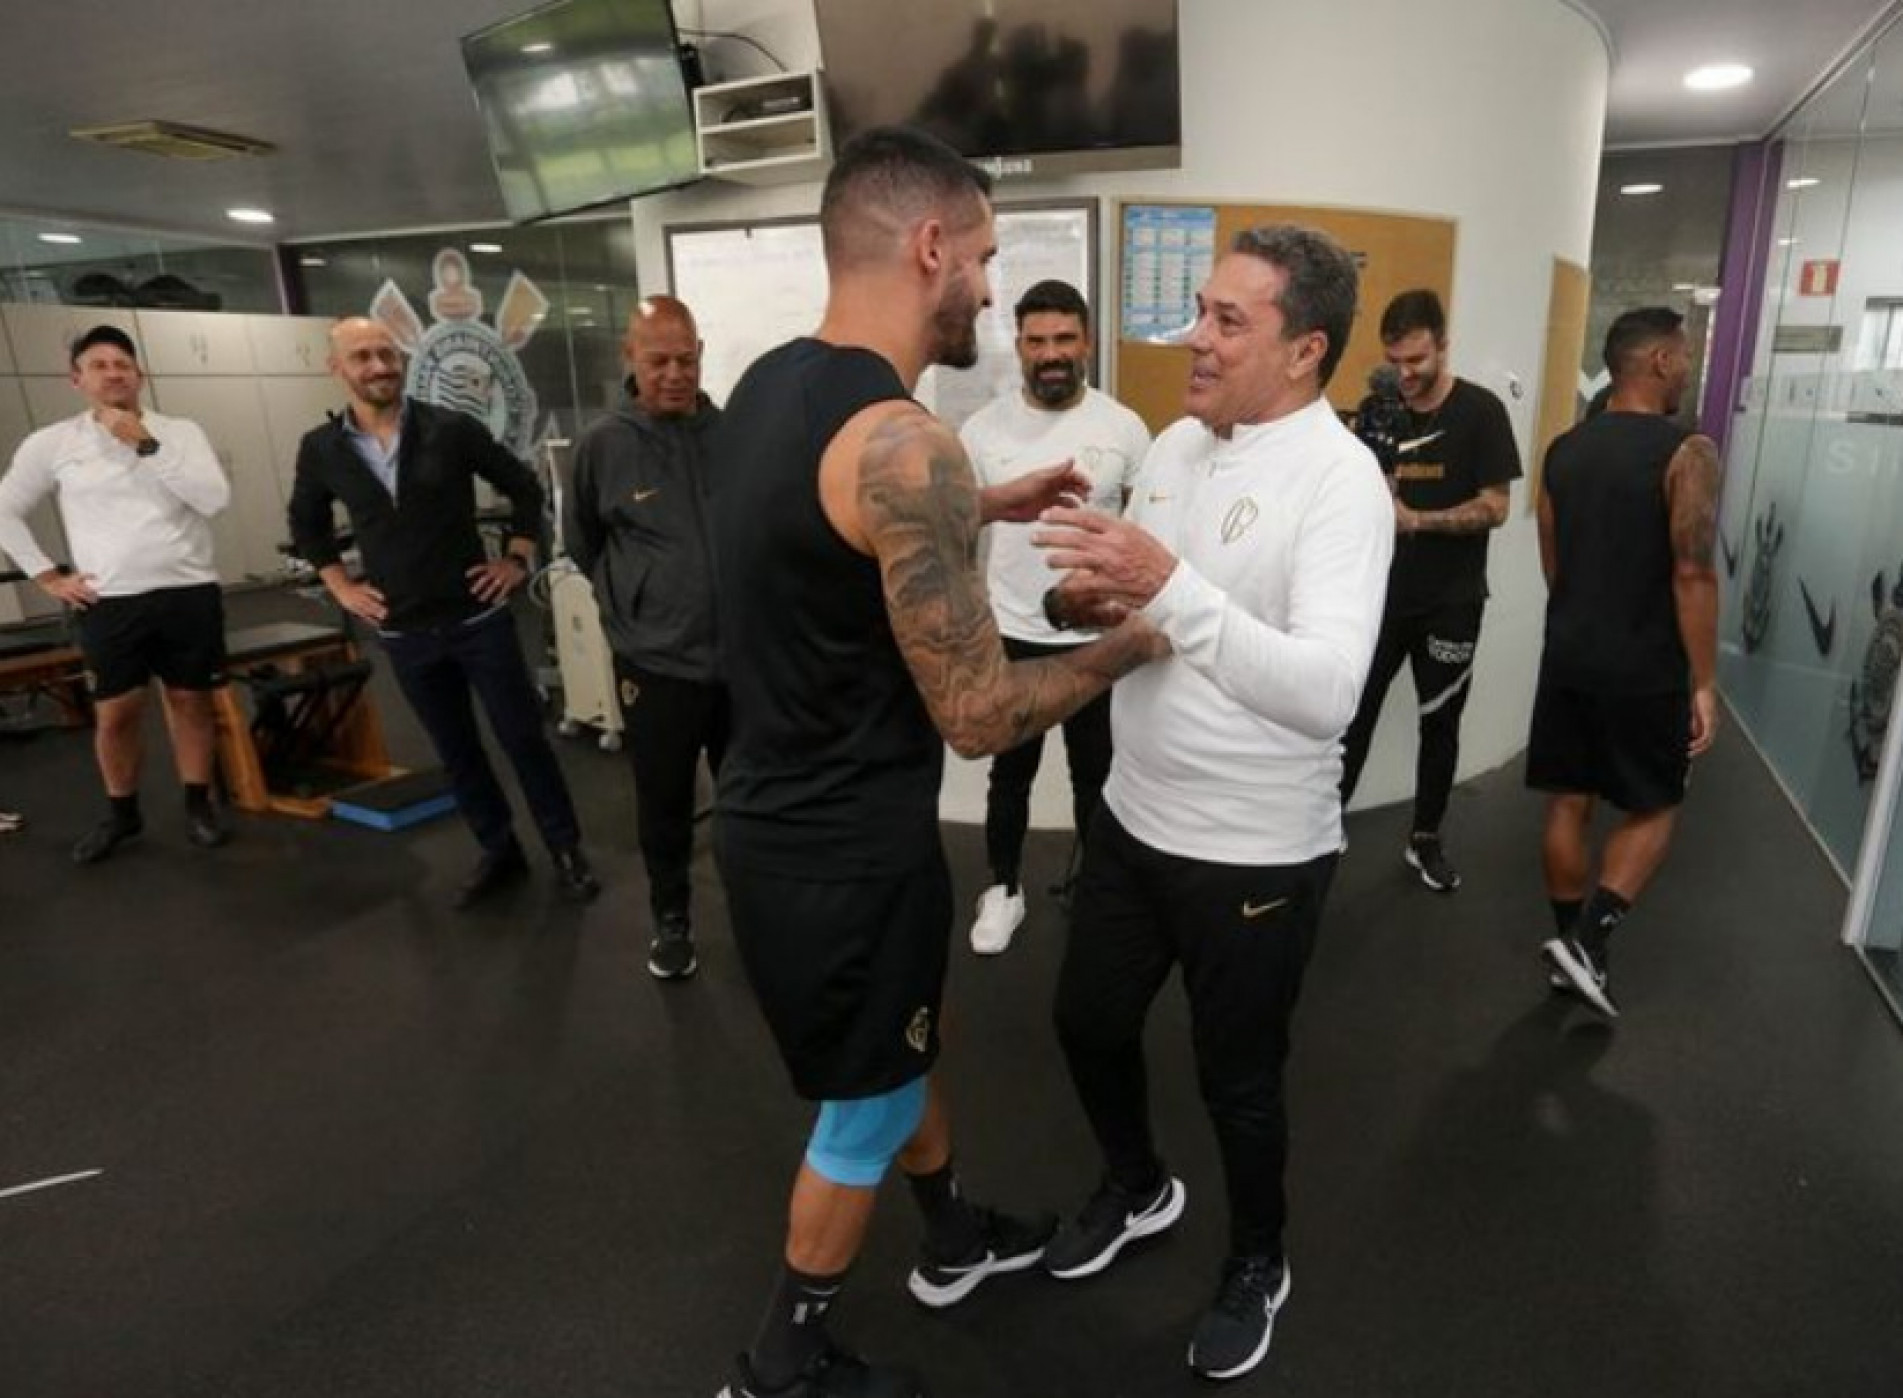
x,y
137,493
1056,416
405,473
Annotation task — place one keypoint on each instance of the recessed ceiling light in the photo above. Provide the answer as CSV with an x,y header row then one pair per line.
x,y
1716,77
64,239
312,262
250,216
1640,188
538,48
1787,242
1803,182
485,247
1684,286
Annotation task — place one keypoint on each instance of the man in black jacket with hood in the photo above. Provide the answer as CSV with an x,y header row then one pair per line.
x,y
405,473
636,525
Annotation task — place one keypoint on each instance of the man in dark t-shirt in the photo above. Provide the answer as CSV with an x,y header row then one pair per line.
x,y
1627,696
1453,470
856,640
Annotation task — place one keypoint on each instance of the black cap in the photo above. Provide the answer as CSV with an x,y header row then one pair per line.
x,y
104,335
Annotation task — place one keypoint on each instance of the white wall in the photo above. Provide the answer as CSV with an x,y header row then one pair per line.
x,y
1487,112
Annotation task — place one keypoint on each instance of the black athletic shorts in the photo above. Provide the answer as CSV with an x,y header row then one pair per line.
x,y
849,974
1632,749
175,633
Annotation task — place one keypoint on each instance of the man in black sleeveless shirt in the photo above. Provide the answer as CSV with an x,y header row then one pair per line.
x,y
1453,471
1627,690
856,641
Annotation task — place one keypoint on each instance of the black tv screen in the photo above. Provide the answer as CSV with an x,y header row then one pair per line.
x,y
1028,86
583,102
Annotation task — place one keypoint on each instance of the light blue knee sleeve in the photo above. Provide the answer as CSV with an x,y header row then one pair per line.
x,y
854,1142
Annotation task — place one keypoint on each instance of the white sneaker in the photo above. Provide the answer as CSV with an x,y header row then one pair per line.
x,y
999,915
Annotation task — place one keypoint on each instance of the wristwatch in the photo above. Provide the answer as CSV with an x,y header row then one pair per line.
x,y
148,446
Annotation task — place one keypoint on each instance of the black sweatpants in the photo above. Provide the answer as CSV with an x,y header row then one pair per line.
x,y
1242,935
670,722
1439,648
1008,801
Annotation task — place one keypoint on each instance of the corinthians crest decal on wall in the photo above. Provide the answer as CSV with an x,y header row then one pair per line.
x,y
459,362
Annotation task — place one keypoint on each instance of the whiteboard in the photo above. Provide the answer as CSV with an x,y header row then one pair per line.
x,y
754,286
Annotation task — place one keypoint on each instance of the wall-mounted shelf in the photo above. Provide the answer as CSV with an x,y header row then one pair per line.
x,y
768,130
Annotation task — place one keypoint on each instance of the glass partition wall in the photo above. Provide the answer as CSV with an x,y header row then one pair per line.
x,y
1812,520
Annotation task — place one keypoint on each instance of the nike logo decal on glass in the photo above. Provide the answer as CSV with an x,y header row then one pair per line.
x,y
1823,632
648,494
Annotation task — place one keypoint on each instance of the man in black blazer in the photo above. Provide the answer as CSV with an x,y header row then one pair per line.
x,y
405,472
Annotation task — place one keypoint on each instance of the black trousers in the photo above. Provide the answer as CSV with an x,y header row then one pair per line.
x,y
1008,801
1243,936
440,672
670,723
1439,647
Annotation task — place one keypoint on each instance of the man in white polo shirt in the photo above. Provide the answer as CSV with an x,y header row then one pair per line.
x,y
1258,543
137,493
1056,416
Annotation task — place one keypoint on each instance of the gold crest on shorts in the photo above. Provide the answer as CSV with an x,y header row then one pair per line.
x,y
630,691
918,1033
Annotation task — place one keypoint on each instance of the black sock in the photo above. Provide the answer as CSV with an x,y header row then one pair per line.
x,y
950,1228
1603,912
1008,880
125,811
198,798
793,1329
1566,913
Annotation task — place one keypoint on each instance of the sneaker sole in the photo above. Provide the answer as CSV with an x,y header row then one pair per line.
x,y
1579,977
681,975
927,1293
1149,1225
1414,863
1262,1349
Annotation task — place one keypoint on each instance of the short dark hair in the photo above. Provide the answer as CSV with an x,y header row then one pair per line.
x,y
1635,332
1419,309
900,172
1053,296
1321,287
103,335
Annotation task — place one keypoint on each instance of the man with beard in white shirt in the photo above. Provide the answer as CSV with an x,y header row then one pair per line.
x,y
1056,416
137,493
1258,543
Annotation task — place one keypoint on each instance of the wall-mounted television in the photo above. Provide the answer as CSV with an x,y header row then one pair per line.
x,y
1026,87
583,102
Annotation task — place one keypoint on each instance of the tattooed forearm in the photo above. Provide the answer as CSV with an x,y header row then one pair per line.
x,y
919,504
1691,487
1476,516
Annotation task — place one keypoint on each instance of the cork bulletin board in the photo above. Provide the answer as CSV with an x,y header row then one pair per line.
x,y
1163,248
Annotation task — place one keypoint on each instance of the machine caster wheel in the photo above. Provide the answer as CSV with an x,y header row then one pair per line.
x,y
568,728
610,742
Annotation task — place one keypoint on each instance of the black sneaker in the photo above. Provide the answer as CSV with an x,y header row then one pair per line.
x,y
204,829
1234,1332
575,880
99,842
492,874
1005,1244
1090,1242
1426,857
671,954
1584,972
832,1373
